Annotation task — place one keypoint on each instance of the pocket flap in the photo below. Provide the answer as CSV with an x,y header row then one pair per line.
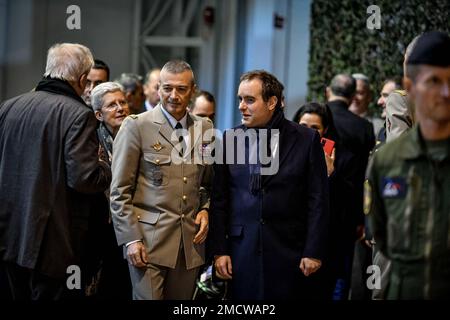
x,y
157,158
236,231
149,217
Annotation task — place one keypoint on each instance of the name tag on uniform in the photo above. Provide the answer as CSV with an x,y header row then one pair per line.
x,y
393,188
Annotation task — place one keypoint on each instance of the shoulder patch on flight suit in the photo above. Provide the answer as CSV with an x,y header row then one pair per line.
x,y
367,197
393,187
401,92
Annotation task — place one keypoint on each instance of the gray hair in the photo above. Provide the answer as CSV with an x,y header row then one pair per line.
x,y
362,77
178,66
343,85
129,81
99,92
68,61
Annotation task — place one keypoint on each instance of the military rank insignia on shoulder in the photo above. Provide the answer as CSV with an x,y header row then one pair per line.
x,y
133,116
401,92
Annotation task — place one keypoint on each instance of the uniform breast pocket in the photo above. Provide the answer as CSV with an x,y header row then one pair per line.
x,y
156,168
404,199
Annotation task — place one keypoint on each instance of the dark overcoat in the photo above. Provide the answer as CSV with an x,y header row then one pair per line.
x,y
267,233
48,164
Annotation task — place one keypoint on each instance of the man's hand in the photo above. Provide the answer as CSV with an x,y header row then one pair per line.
x,y
224,269
202,220
137,254
309,265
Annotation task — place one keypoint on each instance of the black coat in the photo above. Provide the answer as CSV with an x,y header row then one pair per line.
x,y
356,135
48,163
268,233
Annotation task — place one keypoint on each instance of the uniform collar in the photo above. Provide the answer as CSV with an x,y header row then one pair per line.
x,y
414,145
173,122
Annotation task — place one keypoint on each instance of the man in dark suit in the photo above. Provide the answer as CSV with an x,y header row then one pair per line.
x,y
269,214
357,136
48,164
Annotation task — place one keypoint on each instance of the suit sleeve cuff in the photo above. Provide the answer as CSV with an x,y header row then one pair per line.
x,y
131,242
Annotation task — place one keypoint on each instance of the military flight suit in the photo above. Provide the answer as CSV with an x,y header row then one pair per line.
x,y
399,114
407,198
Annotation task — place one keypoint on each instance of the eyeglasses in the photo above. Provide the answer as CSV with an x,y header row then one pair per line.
x,y
115,105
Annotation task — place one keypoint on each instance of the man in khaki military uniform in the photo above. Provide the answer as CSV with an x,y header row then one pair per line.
x,y
407,194
399,108
399,114
160,190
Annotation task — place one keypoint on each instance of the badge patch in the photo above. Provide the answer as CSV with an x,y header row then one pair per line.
x,y
158,146
205,150
393,187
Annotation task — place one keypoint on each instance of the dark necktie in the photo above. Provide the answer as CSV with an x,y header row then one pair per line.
x,y
181,140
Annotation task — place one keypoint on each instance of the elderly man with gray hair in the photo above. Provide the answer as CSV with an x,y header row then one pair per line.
x,y
49,164
361,101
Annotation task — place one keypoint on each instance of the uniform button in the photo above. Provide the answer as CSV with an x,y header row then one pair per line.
x,y
262,221
182,216
157,161
138,217
184,179
184,198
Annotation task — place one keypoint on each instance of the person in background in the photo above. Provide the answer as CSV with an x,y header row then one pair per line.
x,y
49,166
357,136
151,86
341,179
399,108
388,86
204,105
99,73
362,100
134,91
109,275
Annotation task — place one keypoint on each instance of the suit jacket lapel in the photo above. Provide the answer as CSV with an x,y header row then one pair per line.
x,y
165,129
194,128
284,148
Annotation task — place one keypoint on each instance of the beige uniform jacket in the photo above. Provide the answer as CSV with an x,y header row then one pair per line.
x,y
155,197
399,114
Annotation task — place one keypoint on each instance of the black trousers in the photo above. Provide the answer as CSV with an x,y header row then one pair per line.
x,y
27,284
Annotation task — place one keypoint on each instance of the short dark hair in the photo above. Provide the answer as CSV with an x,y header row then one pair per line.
x,y
343,85
208,96
315,108
100,64
270,84
324,112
